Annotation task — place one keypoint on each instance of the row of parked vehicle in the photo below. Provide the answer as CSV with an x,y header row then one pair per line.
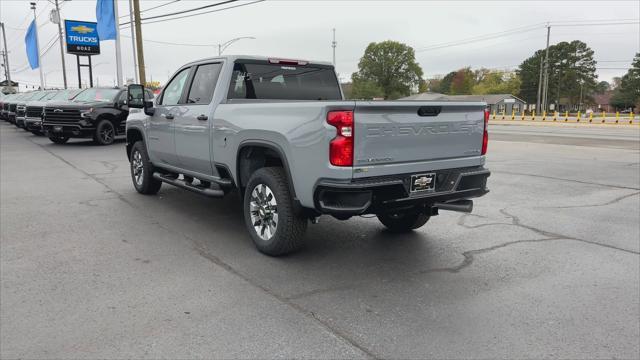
x,y
98,113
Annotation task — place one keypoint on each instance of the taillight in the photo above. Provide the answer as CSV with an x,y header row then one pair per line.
x,y
485,134
341,147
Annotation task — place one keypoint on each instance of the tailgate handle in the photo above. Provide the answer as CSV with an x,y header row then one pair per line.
x,y
429,110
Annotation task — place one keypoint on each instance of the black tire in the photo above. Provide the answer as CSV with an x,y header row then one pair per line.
x,y
287,235
59,139
141,165
105,133
37,132
403,221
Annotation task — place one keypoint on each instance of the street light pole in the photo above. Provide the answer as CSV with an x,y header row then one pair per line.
x,y
64,67
222,47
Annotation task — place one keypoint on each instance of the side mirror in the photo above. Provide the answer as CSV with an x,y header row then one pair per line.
x,y
135,96
136,99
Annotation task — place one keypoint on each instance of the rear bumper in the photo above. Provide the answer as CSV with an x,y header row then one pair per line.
x,y
390,193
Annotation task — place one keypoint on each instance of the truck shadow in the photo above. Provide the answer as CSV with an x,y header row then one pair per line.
x,y
336,253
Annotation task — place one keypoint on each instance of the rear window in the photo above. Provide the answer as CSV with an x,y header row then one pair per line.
x,y
283,82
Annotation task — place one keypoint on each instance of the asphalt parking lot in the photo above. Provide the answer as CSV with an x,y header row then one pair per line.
x,y
547,266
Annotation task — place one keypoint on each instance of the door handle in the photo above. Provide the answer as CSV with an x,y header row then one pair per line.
x,y
202,117
169,116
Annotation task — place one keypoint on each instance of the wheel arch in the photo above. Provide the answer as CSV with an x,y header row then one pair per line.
x,y
270,149
134,135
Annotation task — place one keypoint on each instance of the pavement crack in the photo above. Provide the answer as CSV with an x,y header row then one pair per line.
x,y
610,202
516,222
563,179
469,255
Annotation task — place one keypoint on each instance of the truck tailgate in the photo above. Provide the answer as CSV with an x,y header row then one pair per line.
x,y
415,132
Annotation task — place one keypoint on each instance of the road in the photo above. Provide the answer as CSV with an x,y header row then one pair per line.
x,y
546,266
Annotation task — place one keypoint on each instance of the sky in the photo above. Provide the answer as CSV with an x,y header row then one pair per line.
x,y
447,35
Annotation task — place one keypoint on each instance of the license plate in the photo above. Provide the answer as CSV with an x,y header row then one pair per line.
x,y
57,129
423,182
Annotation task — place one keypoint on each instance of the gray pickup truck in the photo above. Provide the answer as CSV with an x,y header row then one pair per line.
x,y
280,133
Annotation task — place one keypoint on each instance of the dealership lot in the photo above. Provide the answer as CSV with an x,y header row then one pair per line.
x,y
547,265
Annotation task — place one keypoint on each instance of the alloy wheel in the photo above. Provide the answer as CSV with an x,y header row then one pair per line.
x,y
137,165
263,209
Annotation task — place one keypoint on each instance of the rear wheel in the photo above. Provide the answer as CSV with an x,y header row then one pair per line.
x,y
404,221
59,139
273,224
142,171
105,133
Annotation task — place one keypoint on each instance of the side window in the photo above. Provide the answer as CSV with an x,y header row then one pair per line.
x,y
173,90
204,82
237,88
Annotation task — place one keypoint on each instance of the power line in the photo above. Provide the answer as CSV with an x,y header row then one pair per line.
x,y
170,43
153,8
202,13
183,11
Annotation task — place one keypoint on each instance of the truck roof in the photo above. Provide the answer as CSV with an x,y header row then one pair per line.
x,y
253,57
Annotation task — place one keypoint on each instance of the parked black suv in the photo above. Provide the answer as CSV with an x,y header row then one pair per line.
x,y
98,113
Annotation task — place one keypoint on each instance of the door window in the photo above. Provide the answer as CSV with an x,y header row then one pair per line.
x,y
173,91
204,82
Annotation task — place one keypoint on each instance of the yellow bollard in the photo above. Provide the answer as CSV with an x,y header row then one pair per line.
x,y
523,113
604,116
544,115
566,116
533,115
555,116
617,116
513,114
590,117
494,114
503,111
578,117
631,117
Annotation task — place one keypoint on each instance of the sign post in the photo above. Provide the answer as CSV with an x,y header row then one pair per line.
x,y
82,40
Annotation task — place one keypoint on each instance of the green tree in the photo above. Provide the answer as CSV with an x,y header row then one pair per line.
x,y
496,82
365,89
445,83
628,93
571,73
602,87
389,66
462,82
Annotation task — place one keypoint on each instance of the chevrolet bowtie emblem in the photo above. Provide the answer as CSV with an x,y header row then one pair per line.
x,y
422,181
82,29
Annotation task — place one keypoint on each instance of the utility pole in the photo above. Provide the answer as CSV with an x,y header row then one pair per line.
x,y
35,23
539,86
140,51
545,89
118,49
64,67
133,42
6,55
333,45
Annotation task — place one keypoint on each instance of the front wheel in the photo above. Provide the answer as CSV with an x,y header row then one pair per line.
x,y
105,133
273,224
59,139
142,171
404,221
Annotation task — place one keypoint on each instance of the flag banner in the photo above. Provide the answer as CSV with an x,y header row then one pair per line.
x,y
106,18
31,41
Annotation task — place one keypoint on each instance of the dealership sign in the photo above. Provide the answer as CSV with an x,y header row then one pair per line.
x,y
82,37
